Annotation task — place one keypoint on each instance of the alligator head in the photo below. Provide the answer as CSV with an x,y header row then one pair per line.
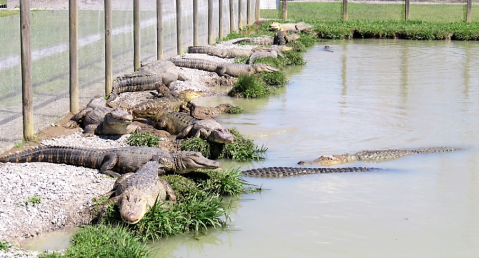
x,y
187,161
264,68
133,207
220,136
329,160
118,116
275,26
189,95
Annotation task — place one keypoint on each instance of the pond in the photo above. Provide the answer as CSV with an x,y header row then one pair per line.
x,y
367,94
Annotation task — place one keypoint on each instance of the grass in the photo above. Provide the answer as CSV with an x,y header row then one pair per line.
x,y
241,149
143,139
235,110
4,245
104,241
332,12
34,200
248,86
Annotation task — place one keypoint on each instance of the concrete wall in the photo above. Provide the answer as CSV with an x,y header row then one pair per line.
x,y
269,4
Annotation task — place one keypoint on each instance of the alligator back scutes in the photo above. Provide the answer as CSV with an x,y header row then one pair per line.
x,y
297,171
136,83
55,154
195,63
398,153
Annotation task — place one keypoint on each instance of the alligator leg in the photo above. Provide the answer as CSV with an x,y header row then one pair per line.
x,y
169,191
89,130
109,161
78,118
184,132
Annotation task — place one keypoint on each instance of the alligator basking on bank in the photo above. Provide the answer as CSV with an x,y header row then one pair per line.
x,y
235,52
136,193
114,161
297,171
373,156
97,118
237,70
148,77
291,27
170,101
280,38
184,125
223,68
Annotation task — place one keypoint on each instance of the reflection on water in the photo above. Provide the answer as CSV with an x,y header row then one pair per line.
x,y
367,94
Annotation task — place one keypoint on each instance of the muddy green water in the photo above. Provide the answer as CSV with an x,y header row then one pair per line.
x,y
367,94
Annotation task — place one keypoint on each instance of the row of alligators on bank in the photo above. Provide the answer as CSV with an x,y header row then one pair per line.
x,y
137,168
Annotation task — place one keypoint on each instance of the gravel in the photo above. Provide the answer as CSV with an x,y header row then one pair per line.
x,y
65,192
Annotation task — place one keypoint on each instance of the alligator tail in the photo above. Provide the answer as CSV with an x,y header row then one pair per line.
x,y
297,171
67,155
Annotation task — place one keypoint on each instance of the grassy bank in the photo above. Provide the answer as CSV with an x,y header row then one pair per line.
x,y
320,11
427,21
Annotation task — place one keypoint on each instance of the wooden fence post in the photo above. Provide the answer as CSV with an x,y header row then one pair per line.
x,y
159,29
26,59
232,25
73,55
406,17
220,14
345,10
195,23
108,51
179,33
256,11
240,16
469,7
136,35
210,22
285,10
248,13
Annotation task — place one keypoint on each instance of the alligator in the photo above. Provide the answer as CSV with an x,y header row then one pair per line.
x,y
136,193
220,52
114,161
291,27
256,40
196,63
261,54
328,48
184,125
280,38
297,171
173,101
372,156
237,70
97,118
146,78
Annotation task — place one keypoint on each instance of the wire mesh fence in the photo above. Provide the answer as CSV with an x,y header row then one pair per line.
x,y
50,51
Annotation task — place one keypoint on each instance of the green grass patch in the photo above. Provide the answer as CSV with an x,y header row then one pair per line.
x,y
235,110
6,13
241,149
34,200
106,241
327,12
143,139
4,245
249,87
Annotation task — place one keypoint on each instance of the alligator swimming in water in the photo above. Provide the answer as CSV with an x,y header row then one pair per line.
x,y
148,77
184,125
97,118
297,171
135,193
114,161
373,156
